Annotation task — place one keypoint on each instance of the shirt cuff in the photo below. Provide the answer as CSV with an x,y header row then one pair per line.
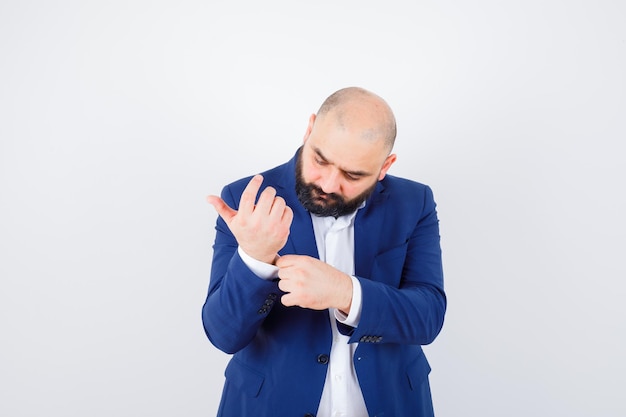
x,y
354,317
260,269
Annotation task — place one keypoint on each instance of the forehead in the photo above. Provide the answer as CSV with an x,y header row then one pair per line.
x,y
350,150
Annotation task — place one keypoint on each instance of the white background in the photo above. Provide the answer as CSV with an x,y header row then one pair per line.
x,y
117,118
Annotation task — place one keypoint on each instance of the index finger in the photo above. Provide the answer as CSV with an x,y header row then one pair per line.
x,y
285,261
248,197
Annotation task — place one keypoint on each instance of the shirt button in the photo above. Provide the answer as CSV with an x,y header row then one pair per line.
x,y
323,359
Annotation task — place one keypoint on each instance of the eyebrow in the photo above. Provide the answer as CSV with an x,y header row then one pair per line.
x,y
349,172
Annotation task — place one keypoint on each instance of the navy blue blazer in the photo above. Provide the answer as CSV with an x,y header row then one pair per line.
x,y
280,354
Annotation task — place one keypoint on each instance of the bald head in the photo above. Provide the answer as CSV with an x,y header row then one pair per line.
x,y
362,111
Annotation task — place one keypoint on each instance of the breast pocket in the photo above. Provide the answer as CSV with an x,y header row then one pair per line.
x,y
388,265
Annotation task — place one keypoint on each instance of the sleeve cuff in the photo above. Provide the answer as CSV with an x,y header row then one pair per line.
x,y
260,269
354,317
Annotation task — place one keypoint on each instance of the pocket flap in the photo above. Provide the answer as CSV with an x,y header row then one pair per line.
x,y
244,378
417,372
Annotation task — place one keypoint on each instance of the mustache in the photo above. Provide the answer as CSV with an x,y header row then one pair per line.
x,y
318,192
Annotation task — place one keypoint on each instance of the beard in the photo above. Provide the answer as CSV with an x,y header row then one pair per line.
x,y
322,204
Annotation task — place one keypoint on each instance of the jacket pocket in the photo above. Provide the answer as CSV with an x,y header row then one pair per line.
x,y
417,372
245,379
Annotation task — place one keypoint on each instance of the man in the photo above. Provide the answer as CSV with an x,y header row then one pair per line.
x,y
324,285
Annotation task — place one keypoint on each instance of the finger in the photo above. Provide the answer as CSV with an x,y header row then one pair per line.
x,y
287,215
284,272
266,200
287,300
284,261
248,197
284,286
278,209
222,208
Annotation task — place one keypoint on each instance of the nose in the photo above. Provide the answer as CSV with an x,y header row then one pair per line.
x,y
331,183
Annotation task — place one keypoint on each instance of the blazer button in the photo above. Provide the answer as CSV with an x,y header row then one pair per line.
x,y
323,359
309,415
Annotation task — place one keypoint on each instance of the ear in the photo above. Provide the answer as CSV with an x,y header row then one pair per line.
x,y
386,165
309,128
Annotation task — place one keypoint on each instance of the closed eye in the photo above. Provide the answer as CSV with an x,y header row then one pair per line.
x,y
352,177
321,162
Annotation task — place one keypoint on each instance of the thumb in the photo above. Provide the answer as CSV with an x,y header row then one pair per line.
x,y
222,208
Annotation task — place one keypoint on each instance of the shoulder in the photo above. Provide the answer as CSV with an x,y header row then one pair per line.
x,y
393,182
403,188
407,196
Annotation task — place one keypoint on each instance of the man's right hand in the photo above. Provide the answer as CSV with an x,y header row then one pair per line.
x,y
261,230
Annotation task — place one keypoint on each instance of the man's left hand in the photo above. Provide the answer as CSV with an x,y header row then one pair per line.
x,y
311,283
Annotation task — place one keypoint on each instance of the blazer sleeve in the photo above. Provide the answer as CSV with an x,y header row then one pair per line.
x,y
411,309
238,301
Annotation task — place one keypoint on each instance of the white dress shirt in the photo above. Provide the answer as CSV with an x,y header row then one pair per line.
x,y
342,395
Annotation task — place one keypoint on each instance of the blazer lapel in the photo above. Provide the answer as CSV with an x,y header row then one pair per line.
x,y
368,231
301,239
